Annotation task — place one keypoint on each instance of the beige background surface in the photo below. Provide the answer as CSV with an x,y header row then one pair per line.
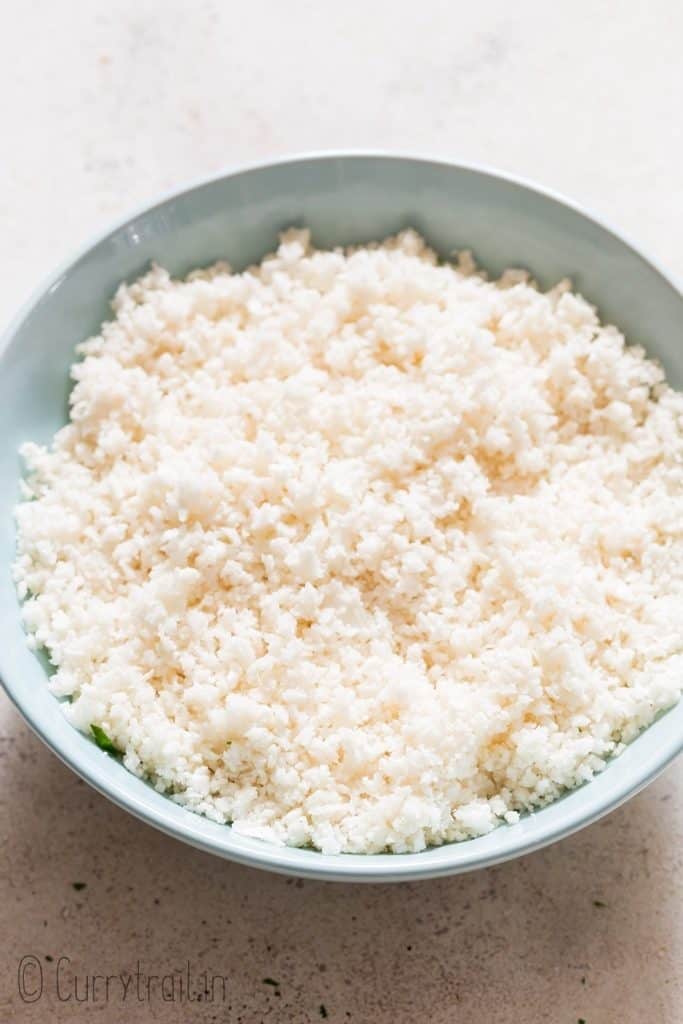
x,y
101,106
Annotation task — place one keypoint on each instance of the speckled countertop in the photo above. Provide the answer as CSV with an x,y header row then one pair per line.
x,y
102,105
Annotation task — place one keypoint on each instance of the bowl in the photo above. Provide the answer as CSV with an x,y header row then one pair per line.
x,y
344,198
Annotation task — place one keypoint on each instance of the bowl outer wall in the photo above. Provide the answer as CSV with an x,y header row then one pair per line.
x,y
344,198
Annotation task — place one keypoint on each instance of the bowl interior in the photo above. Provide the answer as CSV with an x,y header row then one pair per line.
x,y
344,200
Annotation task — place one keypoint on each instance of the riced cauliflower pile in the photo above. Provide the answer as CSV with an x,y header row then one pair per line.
x,y
359,550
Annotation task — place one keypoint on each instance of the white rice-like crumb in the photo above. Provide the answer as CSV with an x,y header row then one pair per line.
x,y
356,549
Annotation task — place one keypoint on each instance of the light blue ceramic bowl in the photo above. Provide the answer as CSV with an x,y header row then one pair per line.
x,y
343,198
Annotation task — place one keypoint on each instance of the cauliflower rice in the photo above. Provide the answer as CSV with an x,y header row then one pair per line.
x,y
356,549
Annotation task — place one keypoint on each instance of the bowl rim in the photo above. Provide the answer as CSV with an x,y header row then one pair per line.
x,y
288,860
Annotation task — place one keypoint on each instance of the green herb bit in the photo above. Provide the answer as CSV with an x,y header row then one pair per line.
x,y
103,741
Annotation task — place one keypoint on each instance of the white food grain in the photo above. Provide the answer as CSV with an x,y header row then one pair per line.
x,y
356,549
